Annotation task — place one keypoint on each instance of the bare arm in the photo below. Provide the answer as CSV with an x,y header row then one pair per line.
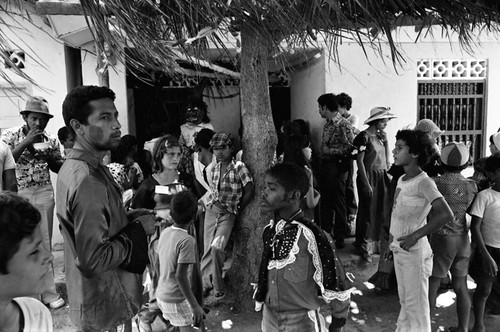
x,y
441,214
489,264
247,195
181,276
9,180
362,174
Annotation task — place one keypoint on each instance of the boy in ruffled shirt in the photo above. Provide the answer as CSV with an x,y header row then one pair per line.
x,y
298,271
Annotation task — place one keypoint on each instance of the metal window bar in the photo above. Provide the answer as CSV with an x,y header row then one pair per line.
x,y
457,108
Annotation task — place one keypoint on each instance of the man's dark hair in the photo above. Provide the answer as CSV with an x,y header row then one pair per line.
x,y
76,104
184,206
18,220
63,134
344,100
203,138
492,163
291,177
419,143
330,101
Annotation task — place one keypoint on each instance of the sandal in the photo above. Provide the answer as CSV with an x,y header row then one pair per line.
x,y
219,296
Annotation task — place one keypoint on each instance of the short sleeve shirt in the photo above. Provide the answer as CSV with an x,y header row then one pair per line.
x,y
230,190
36,316
31,171
459,193
412,204
6,160
175,247
374,148
487,206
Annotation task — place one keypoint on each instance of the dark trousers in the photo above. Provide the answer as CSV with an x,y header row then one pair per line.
x,y
333,180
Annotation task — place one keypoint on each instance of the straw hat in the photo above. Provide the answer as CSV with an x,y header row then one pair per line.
x,y
378,113
427,126
37,105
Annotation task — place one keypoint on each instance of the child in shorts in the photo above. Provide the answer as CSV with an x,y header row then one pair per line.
x,y
419,209
485,229
177,255
23,263
450,244
297,272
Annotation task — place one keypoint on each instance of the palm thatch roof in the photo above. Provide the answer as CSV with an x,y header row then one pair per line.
x,y
162,30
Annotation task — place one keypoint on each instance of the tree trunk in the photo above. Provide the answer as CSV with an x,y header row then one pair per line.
x,y
259,143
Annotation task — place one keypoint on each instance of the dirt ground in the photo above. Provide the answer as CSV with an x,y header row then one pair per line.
x,y
369,311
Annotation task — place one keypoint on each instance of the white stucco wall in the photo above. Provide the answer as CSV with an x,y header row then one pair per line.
x,y
45,65
374,81
117,83
306,85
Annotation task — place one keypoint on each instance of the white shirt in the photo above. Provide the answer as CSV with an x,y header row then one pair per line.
x,y
6,161
487,206
36,316
412,204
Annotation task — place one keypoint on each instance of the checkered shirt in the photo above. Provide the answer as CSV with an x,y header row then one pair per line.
x,y
230,189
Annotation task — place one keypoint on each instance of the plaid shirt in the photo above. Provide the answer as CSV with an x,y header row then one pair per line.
x,y
230,189
337,138
31,171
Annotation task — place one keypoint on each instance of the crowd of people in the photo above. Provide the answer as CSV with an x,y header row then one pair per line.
x,y
162,225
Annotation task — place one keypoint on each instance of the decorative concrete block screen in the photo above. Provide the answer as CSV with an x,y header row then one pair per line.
x,y
452,94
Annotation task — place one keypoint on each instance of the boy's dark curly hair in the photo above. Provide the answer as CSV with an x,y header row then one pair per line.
x,y
419,143
330,101
18,220
492,163
184,206
76,104
291,177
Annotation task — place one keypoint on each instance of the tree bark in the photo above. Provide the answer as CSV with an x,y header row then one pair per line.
x,y
259,143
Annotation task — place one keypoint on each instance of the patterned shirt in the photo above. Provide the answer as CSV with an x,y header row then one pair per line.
x,y
337,138
230,189
459,193
31,170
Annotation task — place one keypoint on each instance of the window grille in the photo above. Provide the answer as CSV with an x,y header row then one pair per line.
x,y
456,103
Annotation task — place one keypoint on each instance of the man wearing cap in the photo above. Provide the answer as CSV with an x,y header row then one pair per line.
x,y
231,187
32,171
450,243
336,146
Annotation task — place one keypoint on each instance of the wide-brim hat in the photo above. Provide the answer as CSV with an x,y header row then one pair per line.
x,y
379,113
455,154
428,126
38,105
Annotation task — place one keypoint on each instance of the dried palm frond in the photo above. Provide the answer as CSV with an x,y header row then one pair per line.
x,y
159,29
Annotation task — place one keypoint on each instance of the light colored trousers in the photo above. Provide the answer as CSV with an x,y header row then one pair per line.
x,y
413,269
218,222
42,197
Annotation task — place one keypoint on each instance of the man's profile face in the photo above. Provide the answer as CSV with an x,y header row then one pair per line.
x,y
102,130
36,120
